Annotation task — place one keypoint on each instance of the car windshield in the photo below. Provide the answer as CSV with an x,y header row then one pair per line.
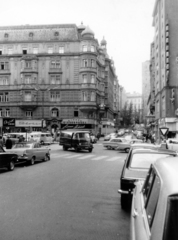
x,y
22,145
144,160
84,135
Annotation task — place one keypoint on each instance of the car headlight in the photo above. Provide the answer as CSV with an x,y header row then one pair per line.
x,y
24,154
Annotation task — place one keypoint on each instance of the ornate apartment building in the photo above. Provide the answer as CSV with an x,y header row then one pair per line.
x,y
55,76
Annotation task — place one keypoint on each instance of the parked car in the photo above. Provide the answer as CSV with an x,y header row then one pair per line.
x,y
78,140
136,167
115,143
109,136
30,152
7,160
15,137
172,144
154,212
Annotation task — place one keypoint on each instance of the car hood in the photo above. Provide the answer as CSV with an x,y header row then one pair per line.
x,y
135,174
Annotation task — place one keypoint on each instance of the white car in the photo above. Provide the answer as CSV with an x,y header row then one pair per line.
x,y
117,143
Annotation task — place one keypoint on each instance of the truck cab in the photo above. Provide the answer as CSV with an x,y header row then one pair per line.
x,y
78,140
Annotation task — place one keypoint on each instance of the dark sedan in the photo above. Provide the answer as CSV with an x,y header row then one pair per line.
x,y
136,167
7,160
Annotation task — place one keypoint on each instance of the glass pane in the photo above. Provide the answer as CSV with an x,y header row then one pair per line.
x,y
170,230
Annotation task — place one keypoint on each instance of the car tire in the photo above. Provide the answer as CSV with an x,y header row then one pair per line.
x,y
65,148
11,165
32,161
90,150
76,149
42,142
127,150
46,158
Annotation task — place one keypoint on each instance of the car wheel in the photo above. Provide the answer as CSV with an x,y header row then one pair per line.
x,y
76,149
90,150
32,161
42,142
65,148
127,150
46,158
11,165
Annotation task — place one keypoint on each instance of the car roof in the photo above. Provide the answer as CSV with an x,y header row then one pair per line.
x,y
154,150
167,169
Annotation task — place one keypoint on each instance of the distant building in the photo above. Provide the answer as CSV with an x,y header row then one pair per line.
x,y
145,88
165,22
136,100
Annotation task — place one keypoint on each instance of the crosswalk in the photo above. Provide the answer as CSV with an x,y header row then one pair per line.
x,y
92,157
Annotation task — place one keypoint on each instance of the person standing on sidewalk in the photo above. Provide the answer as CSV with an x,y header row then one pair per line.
x,y
8,143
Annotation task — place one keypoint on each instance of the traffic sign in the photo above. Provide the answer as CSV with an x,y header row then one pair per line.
x,y
164,130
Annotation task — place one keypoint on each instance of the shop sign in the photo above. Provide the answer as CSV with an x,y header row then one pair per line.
x,y
28,123
77,121
76,126
8,122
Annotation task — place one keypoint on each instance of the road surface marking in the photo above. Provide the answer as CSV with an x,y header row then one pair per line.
x,y
99,158
73,155
112,159
85,157
64,155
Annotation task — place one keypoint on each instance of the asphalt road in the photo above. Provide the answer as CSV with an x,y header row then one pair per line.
x,y
71,197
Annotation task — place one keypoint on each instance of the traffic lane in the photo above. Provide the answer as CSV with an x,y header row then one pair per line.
x,y
61,199
102,191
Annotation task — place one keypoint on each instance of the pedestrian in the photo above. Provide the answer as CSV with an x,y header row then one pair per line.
x,y
98,136
1,141
8,143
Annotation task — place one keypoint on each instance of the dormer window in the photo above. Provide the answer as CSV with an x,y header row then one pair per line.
x,y
84,48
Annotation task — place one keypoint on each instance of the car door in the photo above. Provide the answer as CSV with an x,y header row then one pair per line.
x,y
144,205
4,157
39,151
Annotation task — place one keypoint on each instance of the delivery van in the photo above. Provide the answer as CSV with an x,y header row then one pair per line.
x,y
42,137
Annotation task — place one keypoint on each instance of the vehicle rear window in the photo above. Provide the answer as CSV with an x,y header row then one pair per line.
x,y
170,228
144,160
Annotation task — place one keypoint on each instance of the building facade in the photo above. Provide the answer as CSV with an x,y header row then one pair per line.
x,y
145,88
165,21
55,77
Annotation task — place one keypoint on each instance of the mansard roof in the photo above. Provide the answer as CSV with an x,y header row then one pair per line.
x,y
59,32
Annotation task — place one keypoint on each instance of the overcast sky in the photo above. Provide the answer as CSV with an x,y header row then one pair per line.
x,y
125,24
